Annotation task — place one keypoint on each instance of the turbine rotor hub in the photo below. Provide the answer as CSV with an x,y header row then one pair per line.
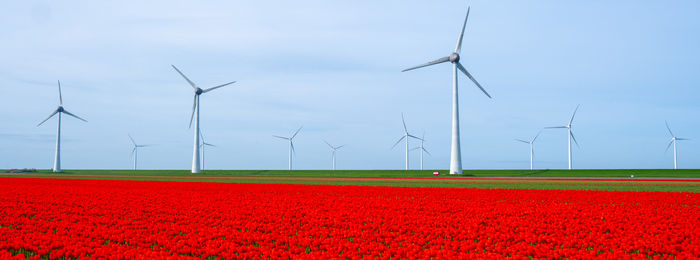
x,y
198,91
60,109
454,57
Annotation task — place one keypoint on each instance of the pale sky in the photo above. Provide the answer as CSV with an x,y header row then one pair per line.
x,y
334,68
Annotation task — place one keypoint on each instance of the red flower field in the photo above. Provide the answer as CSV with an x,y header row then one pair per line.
x,y
57,218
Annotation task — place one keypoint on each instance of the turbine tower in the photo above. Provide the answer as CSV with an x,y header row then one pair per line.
x,y
204,143
455,155
675,149
421,149
195,114
60,110
335,149
531,142
291,145
135,151
571,134
406,135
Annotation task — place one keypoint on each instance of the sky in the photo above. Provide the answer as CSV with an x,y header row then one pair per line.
x,y
334,67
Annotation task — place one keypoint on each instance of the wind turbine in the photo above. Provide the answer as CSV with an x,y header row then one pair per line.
x,y
60,110
675,150
335,149
421,149
135,151
291,145
195,114
204,143
531,142
571,134
455,155
406,135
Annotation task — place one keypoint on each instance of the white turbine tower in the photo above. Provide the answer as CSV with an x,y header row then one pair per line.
x,y
406,135
335,149
204,143
675,149
135,151
571,134
531,143
60,110
291,145
455,155
421,149
195,114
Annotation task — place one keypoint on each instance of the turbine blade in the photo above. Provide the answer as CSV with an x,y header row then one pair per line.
x,y
295,133
60,97
50,116
208,144
71,114
461,35
538,134
572,116
440,60
397,142
522,141
339,147
132,151
680,139
132,140
329,145
574,138
285,138
669,129
404,124
426,151
416,137
194,105
550,127
213,88
669,146
183,75
293,151
459,65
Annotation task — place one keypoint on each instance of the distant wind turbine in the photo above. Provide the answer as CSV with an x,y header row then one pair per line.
x,y
571,134
421,149
291,145
675,149
60,110
455,155
406,135
531,142
204,143
335,149
195,114
135,151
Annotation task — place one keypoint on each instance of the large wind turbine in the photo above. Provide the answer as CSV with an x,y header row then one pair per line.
x,y
675,150
135,151
291,145
335,149
571,134
195,114
60,110
421,149
531,143
406,135
455,155
204,143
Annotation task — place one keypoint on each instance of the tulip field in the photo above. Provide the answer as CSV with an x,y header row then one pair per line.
x,y
43,218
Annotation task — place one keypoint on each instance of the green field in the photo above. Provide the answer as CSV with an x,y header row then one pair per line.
x,y
620,180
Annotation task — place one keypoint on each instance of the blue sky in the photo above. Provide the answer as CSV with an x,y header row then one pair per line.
x,y
334,67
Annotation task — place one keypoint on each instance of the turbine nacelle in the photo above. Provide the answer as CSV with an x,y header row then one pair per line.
x,y
60,109
198,91
454,57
